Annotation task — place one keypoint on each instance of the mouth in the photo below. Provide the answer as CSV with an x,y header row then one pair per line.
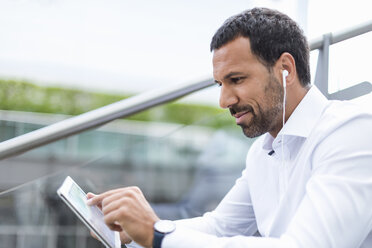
x,y
241,113
239,117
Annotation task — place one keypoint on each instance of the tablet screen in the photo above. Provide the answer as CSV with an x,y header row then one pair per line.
x,y
91,214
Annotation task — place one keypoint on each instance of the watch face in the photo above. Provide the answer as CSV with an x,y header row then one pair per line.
x,y
165,226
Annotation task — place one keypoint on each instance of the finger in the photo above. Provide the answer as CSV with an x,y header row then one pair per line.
x,y
115,227
121,195
124,237
94,200
93,235
98,198
90,195
111,219
114,202
122,206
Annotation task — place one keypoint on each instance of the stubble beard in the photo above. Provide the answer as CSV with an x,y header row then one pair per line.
x,y
267,119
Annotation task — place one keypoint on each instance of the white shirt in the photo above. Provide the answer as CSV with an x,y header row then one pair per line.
x,y
321,197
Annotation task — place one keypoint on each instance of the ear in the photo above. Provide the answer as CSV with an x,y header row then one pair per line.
x,y
287,62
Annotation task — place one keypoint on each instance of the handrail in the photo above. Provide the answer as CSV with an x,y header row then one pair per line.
x,y
97,117
131,105
345,34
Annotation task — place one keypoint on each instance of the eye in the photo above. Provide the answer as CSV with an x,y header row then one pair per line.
x,y
236,80
219,84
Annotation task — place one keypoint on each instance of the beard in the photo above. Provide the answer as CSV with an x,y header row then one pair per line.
x,y
267,117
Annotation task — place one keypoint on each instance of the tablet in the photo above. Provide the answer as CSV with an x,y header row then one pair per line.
x,y
91,216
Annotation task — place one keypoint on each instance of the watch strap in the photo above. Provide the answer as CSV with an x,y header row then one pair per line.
x,y
158,238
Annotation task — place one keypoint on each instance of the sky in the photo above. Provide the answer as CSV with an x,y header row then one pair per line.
x,y
124,46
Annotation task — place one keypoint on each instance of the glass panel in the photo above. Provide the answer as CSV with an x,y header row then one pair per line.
x,y
313,63
350,62
176,166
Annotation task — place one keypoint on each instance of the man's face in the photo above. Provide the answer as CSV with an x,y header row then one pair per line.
x,y
251,92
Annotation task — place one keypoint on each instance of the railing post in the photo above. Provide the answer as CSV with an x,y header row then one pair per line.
x,y
321,74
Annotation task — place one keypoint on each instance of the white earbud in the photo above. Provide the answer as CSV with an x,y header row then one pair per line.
x,y
285,74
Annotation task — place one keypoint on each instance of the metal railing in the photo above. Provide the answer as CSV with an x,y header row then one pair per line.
x,y
148,100
96,118
336,37
322,69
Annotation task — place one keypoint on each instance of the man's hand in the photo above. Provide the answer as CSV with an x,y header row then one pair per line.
x,y
126,210
123,235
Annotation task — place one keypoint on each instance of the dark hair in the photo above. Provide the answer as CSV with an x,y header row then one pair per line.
x,y
271,33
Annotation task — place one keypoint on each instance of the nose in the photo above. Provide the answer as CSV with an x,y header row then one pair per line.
x,y
227,97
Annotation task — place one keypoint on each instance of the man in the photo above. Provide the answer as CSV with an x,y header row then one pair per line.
x,y
306,184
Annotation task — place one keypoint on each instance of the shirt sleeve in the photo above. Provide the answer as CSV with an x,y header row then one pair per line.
x,y
334,213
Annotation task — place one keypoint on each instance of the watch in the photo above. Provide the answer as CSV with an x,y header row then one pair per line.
x,y
162,228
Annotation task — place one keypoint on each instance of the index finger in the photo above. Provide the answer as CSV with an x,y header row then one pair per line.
x,y
90,195
97,199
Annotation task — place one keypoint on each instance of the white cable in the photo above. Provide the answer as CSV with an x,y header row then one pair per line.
x,y
284,74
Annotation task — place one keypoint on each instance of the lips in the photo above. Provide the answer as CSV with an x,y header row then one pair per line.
x,y
240,116
241,112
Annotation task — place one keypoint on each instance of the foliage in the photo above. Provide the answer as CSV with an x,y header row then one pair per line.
x,y
25,96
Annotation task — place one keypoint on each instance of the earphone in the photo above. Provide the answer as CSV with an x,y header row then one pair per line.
x,y
284,75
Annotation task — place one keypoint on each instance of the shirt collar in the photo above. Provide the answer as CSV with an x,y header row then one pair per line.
x,y
303,118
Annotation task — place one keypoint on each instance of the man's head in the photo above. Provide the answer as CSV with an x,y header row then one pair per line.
x,y
271,33
250,52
